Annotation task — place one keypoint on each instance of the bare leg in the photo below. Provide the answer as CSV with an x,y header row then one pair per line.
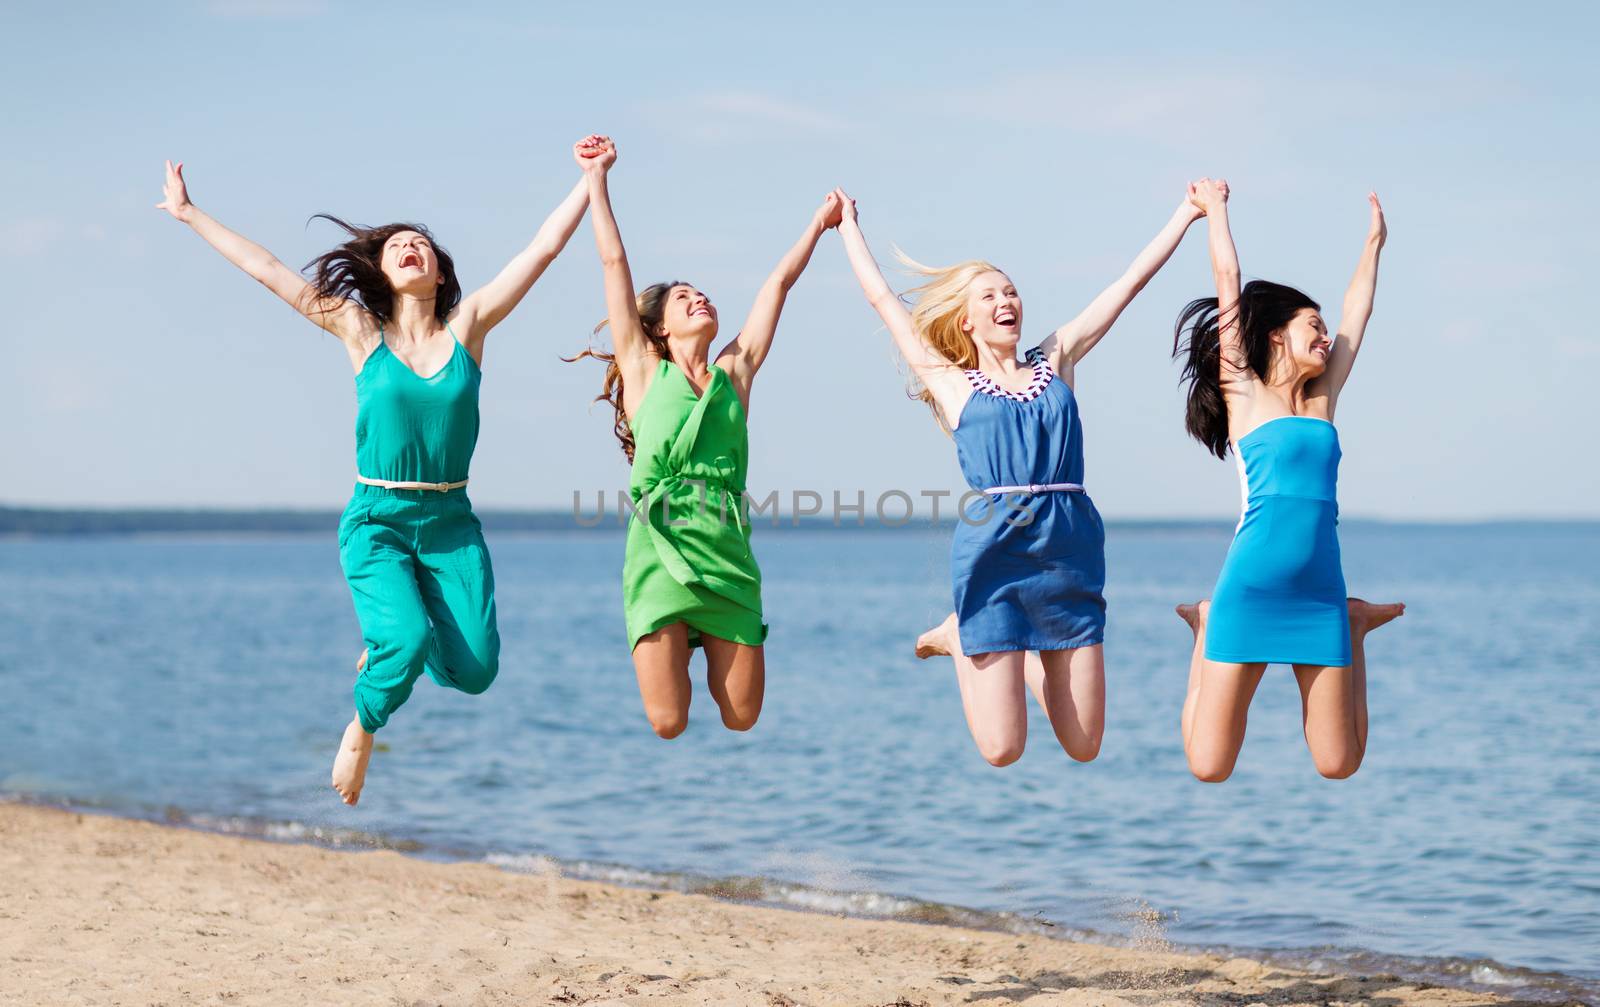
x,y
1333,701
1195,616
1071,687
1216,710
737,675
661,663
350,765
995,701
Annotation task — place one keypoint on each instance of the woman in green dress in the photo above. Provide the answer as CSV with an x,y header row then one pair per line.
x,y
689,579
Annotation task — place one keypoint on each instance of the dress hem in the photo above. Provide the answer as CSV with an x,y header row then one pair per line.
x,y
1073,643
742,638
1231,659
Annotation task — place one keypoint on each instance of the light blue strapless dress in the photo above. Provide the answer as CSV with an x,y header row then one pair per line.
x,y
1280,598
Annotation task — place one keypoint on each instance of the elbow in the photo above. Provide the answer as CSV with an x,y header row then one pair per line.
x,y
882,300
263,270
544,249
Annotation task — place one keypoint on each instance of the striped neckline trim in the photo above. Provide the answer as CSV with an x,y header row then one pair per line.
x,y
1042,375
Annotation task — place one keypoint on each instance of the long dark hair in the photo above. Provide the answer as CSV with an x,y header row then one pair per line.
x,y
1264,308
354,270
651,303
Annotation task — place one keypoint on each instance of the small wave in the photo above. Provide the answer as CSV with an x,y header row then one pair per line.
x,y
791,895
1477,974
297,832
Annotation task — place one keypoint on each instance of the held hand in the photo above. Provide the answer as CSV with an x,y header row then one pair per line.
x,y
831,212
1209,194
1378,233
847,206
1192,198
176,193
595,154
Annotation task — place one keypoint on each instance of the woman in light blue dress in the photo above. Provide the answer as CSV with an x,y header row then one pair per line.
x,y
1264,377
1028,560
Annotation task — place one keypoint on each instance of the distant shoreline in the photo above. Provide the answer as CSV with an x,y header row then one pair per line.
x,y
73,521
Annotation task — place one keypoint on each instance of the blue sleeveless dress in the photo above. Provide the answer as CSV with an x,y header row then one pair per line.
x,y
1029,569
1280,598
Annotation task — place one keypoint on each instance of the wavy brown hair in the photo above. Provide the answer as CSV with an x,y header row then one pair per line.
x,y
651,303
354,270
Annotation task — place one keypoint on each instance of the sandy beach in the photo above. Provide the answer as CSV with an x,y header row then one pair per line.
x,y
100,910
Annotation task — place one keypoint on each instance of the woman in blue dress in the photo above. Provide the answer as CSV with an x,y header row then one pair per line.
x,y
1264,377
1028,560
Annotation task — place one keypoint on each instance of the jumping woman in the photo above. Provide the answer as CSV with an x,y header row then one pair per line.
x,y
1028,559
411,548
689,578
1264,378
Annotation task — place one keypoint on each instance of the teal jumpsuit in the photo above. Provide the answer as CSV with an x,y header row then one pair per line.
x,y
415,560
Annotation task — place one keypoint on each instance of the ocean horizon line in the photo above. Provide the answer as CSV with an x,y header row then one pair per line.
x,y
18,521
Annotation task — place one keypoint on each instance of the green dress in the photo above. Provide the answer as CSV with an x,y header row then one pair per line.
x,y
688,556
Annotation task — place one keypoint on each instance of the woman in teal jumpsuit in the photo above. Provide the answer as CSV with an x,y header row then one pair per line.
x,y
411,548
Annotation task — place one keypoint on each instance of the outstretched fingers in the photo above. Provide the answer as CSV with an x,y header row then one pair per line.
x,y
175,193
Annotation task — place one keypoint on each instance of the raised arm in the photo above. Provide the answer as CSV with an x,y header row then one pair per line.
x,y
596,155
343,318
1212,196
743,357
1068,344
1357,309
488,306
925,362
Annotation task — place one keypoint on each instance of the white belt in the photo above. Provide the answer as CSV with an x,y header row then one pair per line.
x,y
1038,488
390,484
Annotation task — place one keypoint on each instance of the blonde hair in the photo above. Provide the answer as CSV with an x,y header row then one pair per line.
x,y
939,308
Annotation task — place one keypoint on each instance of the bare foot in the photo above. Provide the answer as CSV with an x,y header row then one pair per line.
x,y
941,639
1195,615
1366,617
350,765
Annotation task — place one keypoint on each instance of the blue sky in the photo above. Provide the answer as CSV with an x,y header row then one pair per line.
x,y
1051,139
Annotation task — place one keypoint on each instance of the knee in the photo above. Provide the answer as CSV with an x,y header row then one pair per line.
x,y
1000,751
1339,765
476,679
668,724
740,717
1085,749
1210,770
